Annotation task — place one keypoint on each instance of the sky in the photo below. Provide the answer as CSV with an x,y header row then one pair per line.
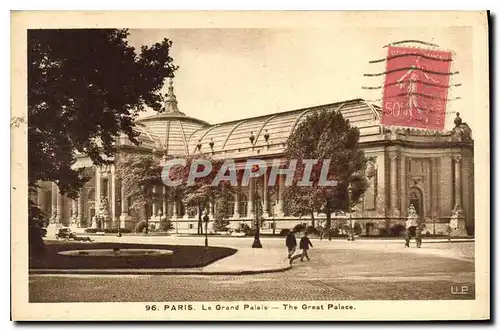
x,y
229,74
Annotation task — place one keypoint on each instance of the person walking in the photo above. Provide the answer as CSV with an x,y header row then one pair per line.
x,y
418,236
291,244
407,238
304,245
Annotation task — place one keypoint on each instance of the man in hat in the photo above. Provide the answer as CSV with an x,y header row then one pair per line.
x,y
418,236
291,244
305,243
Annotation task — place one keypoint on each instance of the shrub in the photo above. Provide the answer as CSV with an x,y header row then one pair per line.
x,y
284,232
122,230
246,229
397,229
335,232
221,224
37,220
140,226
35,240
166,225
383,232
470,229
299,228
357,229
312,230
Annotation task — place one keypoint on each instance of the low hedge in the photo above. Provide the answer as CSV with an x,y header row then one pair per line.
x,y
122,230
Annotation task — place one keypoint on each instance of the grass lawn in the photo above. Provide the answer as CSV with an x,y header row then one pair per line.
x,y
183,257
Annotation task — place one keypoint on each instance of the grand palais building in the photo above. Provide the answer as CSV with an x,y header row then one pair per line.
x,y
432,171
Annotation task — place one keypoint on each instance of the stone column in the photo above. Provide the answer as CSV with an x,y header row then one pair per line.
x,y
174,210
251,185
124,216
59,208
402,182
74,211
281,190
56,217
237,202
113,197
153,204
55,192
265,196
39,198
211,210
174,216
98,183
124,202
458,182
164,203
394,189
79,219
445,183
97,197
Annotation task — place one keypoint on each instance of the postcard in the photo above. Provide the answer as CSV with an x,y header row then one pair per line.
x,y
256,166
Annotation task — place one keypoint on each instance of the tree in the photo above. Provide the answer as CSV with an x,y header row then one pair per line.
x,y
221,215
85,87
202,193
301,201
326,136
37,221
139,173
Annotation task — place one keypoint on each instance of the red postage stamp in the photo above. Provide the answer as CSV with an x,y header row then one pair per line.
x,y
416,87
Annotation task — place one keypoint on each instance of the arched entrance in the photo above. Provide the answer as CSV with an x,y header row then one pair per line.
x,y
415,198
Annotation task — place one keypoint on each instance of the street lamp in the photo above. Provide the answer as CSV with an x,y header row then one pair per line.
x,y
257,207
206,219
350,237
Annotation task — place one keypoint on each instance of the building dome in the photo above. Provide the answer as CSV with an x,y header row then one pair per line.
x,y
170,129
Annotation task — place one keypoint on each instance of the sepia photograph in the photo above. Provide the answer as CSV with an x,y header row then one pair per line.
x,y
250,166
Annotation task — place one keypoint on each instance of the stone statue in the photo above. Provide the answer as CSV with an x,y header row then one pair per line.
x,y
412,218
53,217
458,120
370,169
74,218
456,218
457,211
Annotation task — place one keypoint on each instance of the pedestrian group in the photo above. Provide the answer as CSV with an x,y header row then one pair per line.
x,y
291,244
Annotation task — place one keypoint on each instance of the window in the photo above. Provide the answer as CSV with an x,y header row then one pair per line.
x,y
191,226
229,206
243,205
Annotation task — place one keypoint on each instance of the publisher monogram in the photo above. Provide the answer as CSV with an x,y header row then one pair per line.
x,y
459,289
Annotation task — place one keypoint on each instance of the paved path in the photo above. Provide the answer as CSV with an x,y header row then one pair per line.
x,y
337,271
270,258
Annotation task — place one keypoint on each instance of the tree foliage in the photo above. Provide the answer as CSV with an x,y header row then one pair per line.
x,y
202,193
325,136
85,87
139,173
